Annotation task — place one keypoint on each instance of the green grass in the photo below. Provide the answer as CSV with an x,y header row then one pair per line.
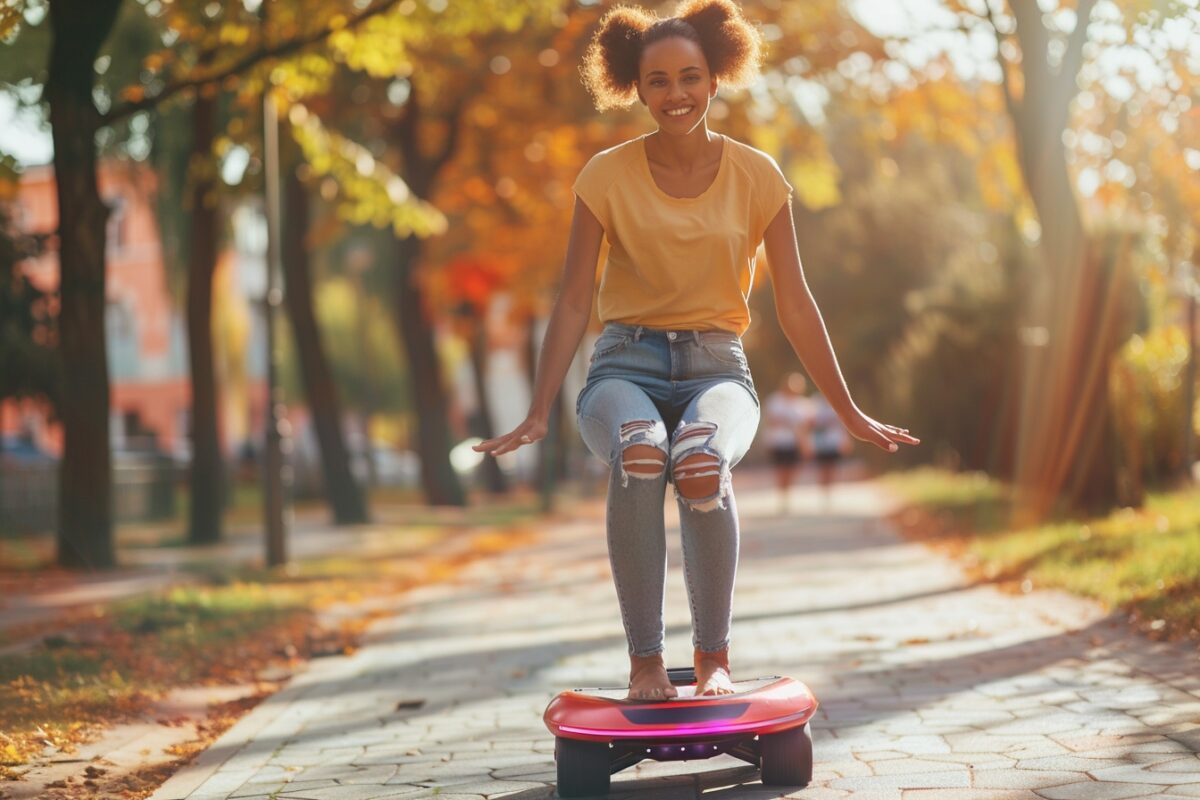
x,y
135,650
1146,560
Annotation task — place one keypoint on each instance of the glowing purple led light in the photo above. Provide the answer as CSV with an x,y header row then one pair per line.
x,y
713,728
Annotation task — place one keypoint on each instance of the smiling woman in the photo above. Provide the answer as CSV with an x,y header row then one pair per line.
x,y
669,395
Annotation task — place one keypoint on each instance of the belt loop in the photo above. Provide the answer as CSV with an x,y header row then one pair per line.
x,y
637,335
696,336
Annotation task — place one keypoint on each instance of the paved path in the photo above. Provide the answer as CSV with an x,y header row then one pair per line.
x,y
930,688
34,603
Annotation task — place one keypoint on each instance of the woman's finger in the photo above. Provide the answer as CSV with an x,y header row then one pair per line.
x,y
490,444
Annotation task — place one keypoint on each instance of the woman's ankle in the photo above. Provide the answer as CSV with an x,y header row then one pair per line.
x,y
637,663
718,657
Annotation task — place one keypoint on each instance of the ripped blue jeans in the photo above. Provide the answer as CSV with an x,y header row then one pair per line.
x,y
689,399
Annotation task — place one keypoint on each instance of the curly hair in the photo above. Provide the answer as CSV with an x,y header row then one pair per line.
x,y
730,43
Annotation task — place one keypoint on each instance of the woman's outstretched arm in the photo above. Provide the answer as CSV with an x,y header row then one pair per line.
x,y
805,330
568,322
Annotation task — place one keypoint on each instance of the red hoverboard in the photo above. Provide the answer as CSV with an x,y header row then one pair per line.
x,y
598,732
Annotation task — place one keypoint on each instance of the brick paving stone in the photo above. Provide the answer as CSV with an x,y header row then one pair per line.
x,y
622,792
1091,790
1189,764
927,780
930,687
1139,773
288,786
355,793
1071,763
819,793
884,755
976,760
1023,779
907,765
970,794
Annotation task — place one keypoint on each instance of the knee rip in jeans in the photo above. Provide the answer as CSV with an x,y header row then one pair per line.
x,y
641,455
700,475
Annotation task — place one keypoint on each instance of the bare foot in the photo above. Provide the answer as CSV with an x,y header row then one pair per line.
x,y
712,673
648,679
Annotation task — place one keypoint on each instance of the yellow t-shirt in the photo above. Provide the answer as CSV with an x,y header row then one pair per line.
x,y
674,262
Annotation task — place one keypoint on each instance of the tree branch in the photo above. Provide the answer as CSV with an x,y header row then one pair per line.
x,y
1035,46
247,61
1015,106
1066,87
450,144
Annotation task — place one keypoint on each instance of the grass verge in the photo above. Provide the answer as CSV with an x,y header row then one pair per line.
x,y
1145,561
116,660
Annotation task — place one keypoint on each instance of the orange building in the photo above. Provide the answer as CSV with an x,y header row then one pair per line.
x,y
146,333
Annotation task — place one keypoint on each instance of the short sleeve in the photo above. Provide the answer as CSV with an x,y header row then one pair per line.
x,y
773,190
592,187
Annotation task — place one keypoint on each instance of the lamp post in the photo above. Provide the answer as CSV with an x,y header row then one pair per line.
x,y
1191,288
273,466
358,261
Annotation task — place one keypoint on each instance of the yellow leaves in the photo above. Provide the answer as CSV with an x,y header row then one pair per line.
x,y
815,179
10,756
367,190
342,40
232,33
304,76
999,176
12,13
133,94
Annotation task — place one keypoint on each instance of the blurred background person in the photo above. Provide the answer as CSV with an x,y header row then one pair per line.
x,y
788,412
827,441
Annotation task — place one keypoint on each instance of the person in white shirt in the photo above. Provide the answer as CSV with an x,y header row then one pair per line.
x,y
827,441
786,418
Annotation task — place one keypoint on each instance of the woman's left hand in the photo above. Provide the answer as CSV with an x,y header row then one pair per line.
x,y
885,437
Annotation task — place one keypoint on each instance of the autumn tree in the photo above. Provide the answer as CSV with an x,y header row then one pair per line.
x,y
425,64
78,30
28,357
1046,118
1077,307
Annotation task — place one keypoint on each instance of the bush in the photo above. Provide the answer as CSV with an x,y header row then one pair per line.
x,y
1146,387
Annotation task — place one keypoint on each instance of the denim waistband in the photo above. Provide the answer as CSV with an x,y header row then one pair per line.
x,y
640,331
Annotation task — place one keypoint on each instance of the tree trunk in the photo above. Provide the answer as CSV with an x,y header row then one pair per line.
x,y
493,478
438,479
207,473
552,450
85,519
440,482
345,495
1065,440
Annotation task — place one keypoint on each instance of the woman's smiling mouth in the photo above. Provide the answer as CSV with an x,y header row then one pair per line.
x,y
678,112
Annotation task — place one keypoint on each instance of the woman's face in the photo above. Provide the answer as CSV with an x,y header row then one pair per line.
x,y
674,84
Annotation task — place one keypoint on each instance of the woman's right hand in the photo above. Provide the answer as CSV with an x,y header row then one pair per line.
x,y
533,429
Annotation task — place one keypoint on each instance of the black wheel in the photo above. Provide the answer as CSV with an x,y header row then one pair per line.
x,y
582,767
787,757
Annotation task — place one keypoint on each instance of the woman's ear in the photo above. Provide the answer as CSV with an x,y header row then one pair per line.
x,y
641,99
712,90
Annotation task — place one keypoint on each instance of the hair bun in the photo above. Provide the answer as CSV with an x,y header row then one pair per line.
x,y
610,65
732,44
707,15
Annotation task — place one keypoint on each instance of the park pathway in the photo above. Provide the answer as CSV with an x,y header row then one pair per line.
x,y
930,687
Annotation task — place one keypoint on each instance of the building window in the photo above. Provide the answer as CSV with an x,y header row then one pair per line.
x,y
121,329
117,232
